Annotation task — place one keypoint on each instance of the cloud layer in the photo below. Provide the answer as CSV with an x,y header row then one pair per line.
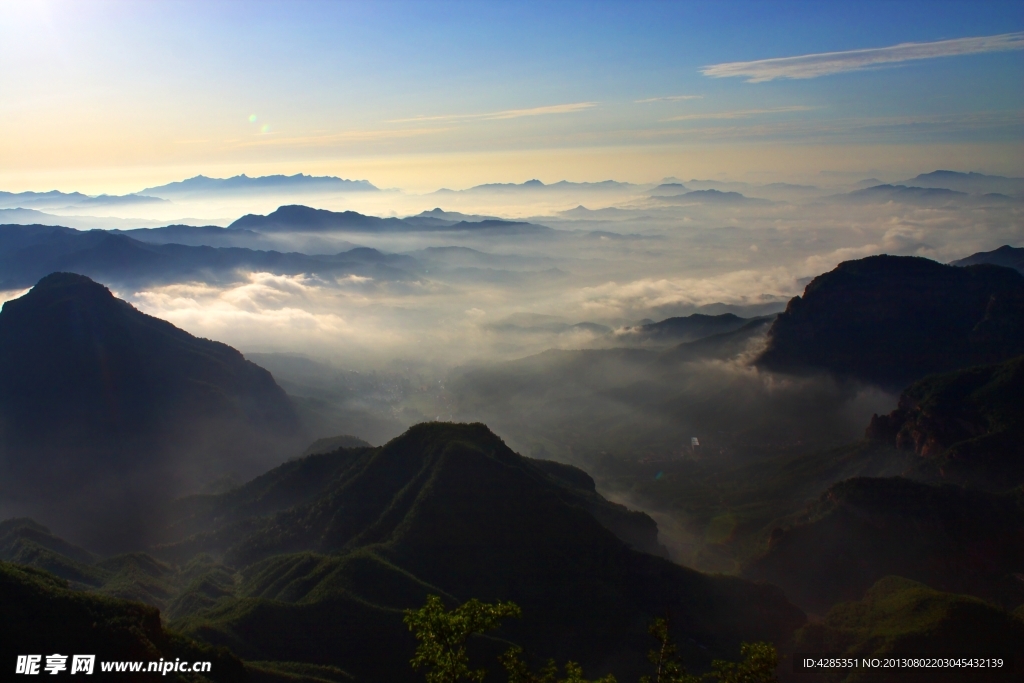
x,y
827,63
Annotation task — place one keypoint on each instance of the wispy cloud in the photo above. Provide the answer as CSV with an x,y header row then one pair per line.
x,y
737,113
670,98
826,63
505,114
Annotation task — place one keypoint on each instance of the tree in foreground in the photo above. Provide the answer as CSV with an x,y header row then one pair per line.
x,y
758,665
667,666
519,672
442,637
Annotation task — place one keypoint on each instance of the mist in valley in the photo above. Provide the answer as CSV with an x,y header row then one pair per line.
x,y
537,327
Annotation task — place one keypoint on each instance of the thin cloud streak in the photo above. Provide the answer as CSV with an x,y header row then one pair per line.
x,y
827,63
670,98
506,114
737,114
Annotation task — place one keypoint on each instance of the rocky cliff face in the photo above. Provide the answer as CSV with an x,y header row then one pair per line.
x,y
967,426
891,320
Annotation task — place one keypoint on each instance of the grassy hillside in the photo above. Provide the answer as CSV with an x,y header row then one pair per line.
x,y
42,615
863,529
898,617
448,509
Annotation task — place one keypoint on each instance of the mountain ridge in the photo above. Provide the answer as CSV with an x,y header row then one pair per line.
x,y
242,183
108,410
893,319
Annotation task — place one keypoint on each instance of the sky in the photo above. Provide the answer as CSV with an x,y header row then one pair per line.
x,y
116,96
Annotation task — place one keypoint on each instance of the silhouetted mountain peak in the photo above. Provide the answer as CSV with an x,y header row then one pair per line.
x,y
450,508
1010,257
57,286
97,394
893,319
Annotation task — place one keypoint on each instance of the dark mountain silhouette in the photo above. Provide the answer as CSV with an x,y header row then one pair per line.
x,y
1006,256
451,216
296,218
893,319
721,346
710,197
669,189
863,529
28,252
334,545
975,183
903,193
195,236
42,615
242,184
966,426
107,411
898,617
683,329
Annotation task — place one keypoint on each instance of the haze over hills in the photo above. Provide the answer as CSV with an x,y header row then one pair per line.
x,y
708,196
306,219
976,183
522,342
537,186
314,543
77,221
29,252
680,329
108,411
201,185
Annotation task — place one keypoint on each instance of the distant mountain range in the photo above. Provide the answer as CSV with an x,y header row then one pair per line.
x,y
79,222
681,329
73,200
297,218
894,319
107,411
40,200
973,183
201,185
709,197
1010,257
29,252
920,195
538,186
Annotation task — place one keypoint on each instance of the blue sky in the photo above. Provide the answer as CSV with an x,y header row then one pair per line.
x,y
426,94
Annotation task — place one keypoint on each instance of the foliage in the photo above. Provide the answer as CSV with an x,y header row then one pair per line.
x,y
442,636
519,672
758,665
667,666
442,648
